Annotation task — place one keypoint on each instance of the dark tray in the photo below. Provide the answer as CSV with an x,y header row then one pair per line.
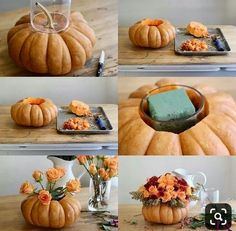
x,y
64,114
182,35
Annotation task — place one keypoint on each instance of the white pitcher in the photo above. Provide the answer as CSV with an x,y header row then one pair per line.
x,y
68,166
189,177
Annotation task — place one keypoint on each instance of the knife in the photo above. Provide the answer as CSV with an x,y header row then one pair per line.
x,y
100,122
101,64
218,43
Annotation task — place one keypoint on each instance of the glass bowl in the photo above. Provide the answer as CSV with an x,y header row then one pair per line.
x,y
178,125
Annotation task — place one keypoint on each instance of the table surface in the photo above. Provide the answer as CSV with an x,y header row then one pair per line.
x,y
129,213
10,133
12,219
220,83
131,55
101,16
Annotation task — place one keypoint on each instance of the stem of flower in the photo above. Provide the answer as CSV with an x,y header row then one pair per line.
x,y
49,16
41,185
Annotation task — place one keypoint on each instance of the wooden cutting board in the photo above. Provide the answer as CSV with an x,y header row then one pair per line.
x,y
101,16
10,133
131,55
11,218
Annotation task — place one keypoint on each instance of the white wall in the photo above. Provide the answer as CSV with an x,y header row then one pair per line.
x,y
179,12
134,171
60,90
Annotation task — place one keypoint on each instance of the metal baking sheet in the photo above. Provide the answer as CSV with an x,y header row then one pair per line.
x,y
182,35
64,114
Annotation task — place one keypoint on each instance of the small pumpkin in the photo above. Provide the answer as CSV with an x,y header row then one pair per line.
x,y
57,214
34,112
51,53
152,33
215,134
164,214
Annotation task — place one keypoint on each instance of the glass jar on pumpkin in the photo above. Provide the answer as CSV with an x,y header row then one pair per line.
x,y
51,16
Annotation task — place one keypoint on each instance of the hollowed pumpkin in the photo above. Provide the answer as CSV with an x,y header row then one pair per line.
x,y
163,214
34,112
213,135
51,53
152,33
57,214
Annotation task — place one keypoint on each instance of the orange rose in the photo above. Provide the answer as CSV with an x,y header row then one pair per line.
x,y
181,196
53,174
62,171
102,172
146,194
169,188
73,185
141,189
113,172
27,188
82,159
111,163
153,190
44,197
106,176
37,175
92,169
165,180
189,191
166,197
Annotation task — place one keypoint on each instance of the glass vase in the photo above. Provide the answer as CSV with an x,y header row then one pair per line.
x,y
99,192
50,16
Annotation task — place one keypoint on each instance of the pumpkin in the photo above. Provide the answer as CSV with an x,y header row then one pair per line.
x,y
51,53
152,33
164,214
34,112
57,214
197,29
215,134
79,108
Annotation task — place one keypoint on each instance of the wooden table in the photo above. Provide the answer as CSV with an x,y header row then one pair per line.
x,y
136,59
12,219
101,16
129,213
14,137
220,83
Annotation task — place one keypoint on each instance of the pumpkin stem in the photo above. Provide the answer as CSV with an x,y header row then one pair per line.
x,y
49,16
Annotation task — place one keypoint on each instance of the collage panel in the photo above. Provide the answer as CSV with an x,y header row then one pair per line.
x,y
84,203
186,185
58,38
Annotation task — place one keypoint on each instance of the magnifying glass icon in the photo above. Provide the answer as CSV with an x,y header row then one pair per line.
x,y
218,217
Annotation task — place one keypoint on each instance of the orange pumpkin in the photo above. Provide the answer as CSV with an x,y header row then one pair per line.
x,y
163,214
215,134
57,214
34,112
197,29
51,53
152,33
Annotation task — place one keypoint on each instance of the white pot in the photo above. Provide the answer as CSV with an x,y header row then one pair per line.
x,y
67,165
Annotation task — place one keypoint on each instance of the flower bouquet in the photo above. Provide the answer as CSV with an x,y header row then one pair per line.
x,y
165,199
100,169
49,206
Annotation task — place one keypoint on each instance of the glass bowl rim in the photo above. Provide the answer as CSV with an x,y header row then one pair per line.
x,y
176,120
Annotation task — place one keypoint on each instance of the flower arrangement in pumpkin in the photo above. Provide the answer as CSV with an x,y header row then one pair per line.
x,y
50,203
165,194
165,189
100,169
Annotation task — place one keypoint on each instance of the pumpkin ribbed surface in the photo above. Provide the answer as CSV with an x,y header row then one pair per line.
x,y
51,53
34,112
152,33
55,215
163,214
213,135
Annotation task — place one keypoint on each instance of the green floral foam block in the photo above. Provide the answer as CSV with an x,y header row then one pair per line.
x,y
170,105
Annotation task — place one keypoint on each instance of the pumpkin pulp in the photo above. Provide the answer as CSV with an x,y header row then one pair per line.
x,y
152,22
35,101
